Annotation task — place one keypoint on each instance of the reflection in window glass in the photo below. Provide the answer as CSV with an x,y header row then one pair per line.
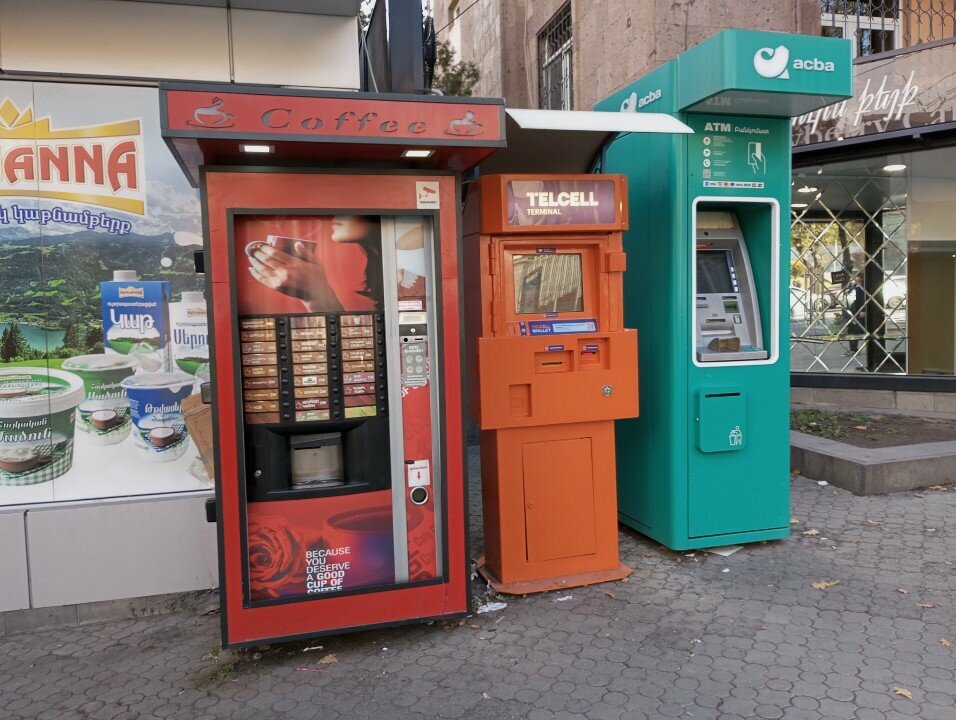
x,y
548,283
873,266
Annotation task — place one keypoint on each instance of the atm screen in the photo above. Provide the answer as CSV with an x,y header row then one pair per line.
x,y
714,272
548,283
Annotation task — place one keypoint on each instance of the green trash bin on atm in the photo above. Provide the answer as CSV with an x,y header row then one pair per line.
x,y
707,463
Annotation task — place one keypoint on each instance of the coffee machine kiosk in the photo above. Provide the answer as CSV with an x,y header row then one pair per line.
x,y
334,310
554,367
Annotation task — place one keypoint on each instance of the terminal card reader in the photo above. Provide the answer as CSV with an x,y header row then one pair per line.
x,y
726,316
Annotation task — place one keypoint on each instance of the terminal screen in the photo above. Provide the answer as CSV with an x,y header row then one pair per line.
x,y
714,272
548,283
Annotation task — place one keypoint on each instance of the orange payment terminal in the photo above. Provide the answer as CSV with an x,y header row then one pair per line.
x,y
553,368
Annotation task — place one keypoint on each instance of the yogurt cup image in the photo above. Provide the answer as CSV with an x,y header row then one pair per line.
x,y
103,416
159,428
37,417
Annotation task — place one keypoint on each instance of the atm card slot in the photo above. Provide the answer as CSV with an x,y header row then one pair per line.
x,y
552,362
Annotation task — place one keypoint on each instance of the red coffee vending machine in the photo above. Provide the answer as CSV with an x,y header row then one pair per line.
x,y
335,313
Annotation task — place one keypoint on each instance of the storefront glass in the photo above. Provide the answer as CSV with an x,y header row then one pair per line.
x,y
873,265
102,318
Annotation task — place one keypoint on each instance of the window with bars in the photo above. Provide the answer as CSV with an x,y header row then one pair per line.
x,y
555,43
873,266
877,26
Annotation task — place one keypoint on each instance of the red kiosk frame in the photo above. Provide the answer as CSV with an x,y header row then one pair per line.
x,y
335,154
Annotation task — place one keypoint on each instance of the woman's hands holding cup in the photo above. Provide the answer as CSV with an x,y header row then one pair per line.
x,y
293,268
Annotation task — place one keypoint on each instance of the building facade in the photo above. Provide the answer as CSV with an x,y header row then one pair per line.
x,y
103,320
568,54
873,252
871,286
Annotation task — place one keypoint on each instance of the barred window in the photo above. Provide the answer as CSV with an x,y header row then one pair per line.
x,y
555,43
878,26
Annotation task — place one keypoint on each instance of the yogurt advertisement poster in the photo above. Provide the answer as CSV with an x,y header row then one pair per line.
x,y
103,328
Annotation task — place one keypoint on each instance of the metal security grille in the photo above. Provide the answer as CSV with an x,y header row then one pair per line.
x,y
555,43
848,275
878,26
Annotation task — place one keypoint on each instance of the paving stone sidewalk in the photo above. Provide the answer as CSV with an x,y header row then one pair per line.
x,y
689,635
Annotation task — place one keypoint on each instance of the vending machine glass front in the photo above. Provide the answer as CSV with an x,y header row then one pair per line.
x,y
342,471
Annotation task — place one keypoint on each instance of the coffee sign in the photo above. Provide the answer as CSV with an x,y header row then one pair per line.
x,y
195,113
906,91
561,202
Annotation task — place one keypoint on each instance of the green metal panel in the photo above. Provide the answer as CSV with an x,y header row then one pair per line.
x,y
721,419
680,478
764,74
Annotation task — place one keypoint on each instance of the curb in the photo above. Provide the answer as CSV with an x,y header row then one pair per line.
x,y
873,471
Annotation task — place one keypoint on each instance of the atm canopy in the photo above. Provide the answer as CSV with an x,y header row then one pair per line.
x,y
768,74
567,140
233,125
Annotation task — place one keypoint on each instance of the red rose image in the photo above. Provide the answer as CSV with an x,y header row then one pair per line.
x,y
276,558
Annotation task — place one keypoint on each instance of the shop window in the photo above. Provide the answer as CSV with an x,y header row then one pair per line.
x,y
555,77
873,266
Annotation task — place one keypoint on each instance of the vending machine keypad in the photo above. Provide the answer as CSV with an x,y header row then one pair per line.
x,y
322,367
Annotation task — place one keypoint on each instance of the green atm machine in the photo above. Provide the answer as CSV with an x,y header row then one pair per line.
x,y
707,462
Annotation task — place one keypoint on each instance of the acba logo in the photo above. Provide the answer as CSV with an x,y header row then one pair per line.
x,y
772,62
775,63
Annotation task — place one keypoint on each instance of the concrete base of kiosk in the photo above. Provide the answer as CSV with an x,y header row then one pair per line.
x,y
530,587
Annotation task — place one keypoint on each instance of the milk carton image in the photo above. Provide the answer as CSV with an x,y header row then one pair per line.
x,y
189,337
136,318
